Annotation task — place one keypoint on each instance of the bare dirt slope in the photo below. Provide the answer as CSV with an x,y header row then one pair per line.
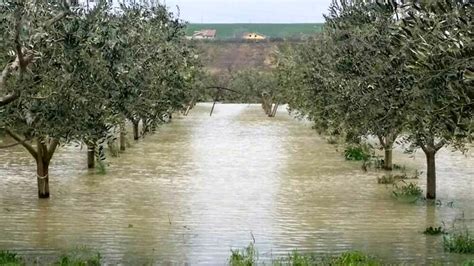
x,y
233,56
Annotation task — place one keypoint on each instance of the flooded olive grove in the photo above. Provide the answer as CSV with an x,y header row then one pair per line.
x,y
350,146
202,186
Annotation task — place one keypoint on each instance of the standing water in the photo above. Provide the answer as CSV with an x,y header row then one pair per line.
x,y
205,185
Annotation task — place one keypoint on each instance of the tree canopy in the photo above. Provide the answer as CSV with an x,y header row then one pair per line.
x,y
388,69
75,75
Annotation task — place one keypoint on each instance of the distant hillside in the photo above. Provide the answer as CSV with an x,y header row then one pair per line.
x,y
225,56
232,31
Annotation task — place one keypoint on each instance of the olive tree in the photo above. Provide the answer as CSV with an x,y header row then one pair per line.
x,y
73,75
64,101
436,36
348,79
257,86
29,29
151,65
372,70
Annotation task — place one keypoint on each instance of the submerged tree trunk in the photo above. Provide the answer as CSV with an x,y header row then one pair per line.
x,y
191,104
187,110
431,174
90,156
42,175
268,109
430,150
146,126
266,105
388,160
123,141
136,134
42,169
387,144
275,109
43,155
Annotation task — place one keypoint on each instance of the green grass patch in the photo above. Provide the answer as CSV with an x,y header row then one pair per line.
x,y
362,152
459,242
353,258
468,263
9,259
235,30
244,257
68,260
433,231
80,256
407,192
100,167
248,256
77,257
296,258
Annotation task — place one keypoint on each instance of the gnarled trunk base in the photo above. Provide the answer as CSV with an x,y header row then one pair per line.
x,y
123,141
431,175
274,110
388,160
42,176
91,156
136,134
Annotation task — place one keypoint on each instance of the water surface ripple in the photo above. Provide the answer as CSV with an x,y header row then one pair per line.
x,y
202,185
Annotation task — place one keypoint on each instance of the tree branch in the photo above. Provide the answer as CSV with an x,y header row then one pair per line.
x,y
381,140
423,147
27,146
440,145
10,145
23,57
4,75
52,148
43,149
57,18
6,71
9,98
18,47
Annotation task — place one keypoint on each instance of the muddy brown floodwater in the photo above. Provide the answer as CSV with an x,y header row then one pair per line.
x,y
202,185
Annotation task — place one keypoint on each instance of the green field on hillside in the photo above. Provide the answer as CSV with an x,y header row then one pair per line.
x,y
230,31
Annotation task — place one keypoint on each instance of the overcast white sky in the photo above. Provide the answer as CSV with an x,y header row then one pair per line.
x,y
250,11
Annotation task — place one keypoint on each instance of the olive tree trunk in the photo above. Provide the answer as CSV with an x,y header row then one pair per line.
x,y
266,105
388,159
123,140
430,174
43,155
275,109
387,144
430,151
136,133
90,156
146,126
191,104
42,176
